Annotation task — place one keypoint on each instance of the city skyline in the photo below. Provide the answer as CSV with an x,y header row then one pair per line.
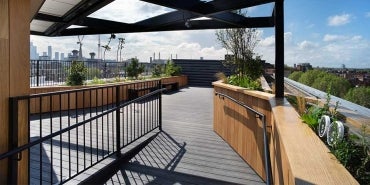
x,y
335,34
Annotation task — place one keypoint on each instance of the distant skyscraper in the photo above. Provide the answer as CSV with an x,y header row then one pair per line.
x,y
56,56
50,53
62,56
33,52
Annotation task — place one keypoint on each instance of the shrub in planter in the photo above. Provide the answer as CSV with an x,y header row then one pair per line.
x,y
157,70
76,73
351,151
171,69
134,69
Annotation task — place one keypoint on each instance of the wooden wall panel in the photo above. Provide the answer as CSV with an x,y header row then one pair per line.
x,y
89,98
4,86
240,128
297,154
14,71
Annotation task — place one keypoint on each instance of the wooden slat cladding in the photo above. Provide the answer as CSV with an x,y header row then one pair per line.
x,y
240,128
297,154
14,75
88,98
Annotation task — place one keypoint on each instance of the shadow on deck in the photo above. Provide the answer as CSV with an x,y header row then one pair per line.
x,y
187,151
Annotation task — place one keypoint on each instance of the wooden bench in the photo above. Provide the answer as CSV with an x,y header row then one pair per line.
x,y
134,93
171,86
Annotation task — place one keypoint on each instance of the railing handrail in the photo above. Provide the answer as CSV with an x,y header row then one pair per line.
x,y
45,138
265,141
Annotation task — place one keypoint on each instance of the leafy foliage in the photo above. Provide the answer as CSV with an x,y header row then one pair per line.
x,y
295,75
93,72
309,77
171,69
323,81
77,74
96,80
157,70
241,43
244,81
359,95
134,69
312,115
353,153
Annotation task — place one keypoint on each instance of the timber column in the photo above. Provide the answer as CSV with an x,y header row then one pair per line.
x,y
14,78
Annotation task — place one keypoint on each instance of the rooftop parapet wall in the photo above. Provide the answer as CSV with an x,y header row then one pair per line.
x,y
298,156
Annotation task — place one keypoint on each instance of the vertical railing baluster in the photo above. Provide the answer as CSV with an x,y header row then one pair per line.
x,y
84,126
160,105
40,149
118,123
69,135
37,72
60,138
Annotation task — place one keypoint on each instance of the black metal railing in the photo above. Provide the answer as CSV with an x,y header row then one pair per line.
x,y
262,117
69,132
55,72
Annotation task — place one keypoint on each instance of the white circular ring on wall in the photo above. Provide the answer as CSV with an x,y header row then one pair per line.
x,y
335,133
324,123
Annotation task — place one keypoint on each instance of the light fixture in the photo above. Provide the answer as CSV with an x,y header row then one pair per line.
x,y
187,23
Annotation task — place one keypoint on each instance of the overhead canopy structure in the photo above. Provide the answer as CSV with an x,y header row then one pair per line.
x,y
55,17
72,17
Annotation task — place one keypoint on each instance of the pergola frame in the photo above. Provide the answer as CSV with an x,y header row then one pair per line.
x,y
220,14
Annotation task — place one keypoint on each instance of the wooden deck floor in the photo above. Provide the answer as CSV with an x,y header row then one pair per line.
x,y
187,151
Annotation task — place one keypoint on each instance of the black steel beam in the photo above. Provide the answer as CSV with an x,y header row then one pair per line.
x,y
82,10
49,18
208,8
100,23
279,48
217,10
253,22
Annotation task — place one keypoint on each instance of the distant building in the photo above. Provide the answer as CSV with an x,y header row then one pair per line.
x,y
157,61
303,67
62,56
229,57
56,56
33,52
50,52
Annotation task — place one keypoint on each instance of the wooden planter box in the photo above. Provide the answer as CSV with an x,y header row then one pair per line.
x,y
297,154
85,99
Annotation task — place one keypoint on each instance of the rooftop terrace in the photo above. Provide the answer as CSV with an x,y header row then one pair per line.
x,y
187,151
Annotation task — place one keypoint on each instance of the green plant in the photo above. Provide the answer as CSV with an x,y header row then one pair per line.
x,y
77,73
96,80
93,72
244,81
221,76
134,69
312,115
157,70
354,154
171,69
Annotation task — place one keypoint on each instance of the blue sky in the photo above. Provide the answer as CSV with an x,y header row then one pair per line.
x,y
325,33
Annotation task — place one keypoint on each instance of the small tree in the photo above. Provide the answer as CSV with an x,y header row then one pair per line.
x,y
134,69
157,70
77,73
172,69
241,43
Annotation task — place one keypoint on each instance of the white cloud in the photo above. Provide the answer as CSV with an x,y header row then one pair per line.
x,y
268,41
339,20
333,38
306,45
